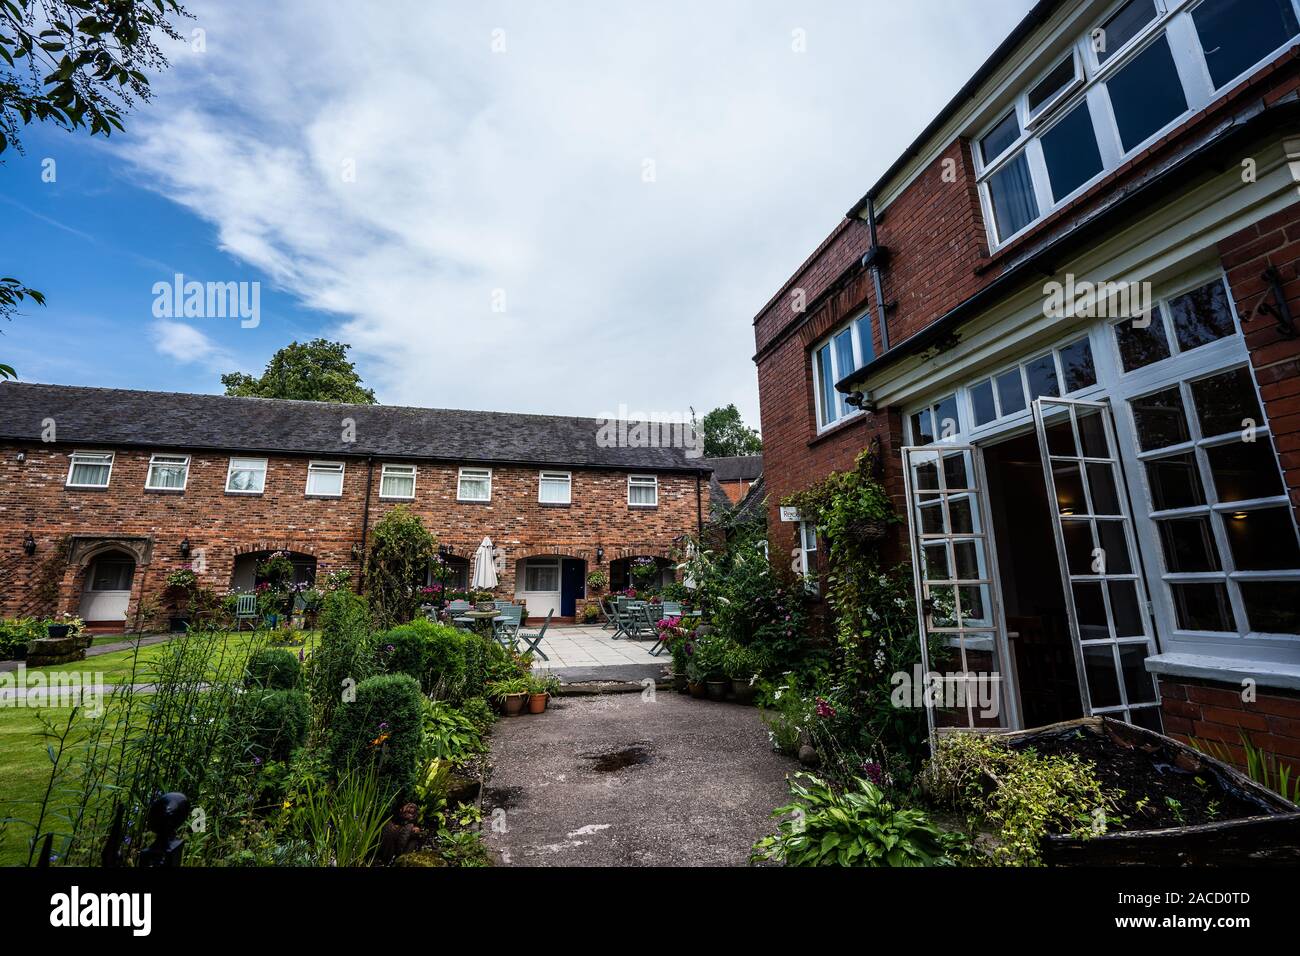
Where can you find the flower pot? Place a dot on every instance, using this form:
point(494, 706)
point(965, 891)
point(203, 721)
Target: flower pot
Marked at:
point(680, 683)
point(697, 689)
point(514, 704)
point(57, 630)
point(717, 689)
point(743, 691)
point(179, 625)
point(537, 703)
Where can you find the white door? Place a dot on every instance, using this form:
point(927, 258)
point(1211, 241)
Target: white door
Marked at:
point(540, 587)
point(108, 588)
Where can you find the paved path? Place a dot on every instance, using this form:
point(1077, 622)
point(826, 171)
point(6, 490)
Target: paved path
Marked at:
point(579, 645)
point(126, 644)
point(624, 781)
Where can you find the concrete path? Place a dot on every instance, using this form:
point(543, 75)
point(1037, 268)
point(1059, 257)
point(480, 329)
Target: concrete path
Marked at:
point(623, 780)
point(587, 645)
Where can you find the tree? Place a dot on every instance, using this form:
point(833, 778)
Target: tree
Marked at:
point(318, 371)
point(727, 436)
point(74, 63)
point(399, 559)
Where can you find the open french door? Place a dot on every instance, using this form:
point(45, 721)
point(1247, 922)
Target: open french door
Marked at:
point(1101, 572)
point(964, 651)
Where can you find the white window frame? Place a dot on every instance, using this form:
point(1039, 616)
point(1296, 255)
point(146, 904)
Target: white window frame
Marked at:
point(474, 474)
point(1118, 387)
point(555, 477)
point(1173, 20)
point(98, 457)
point(328, 468)
point(643, 481)
point(402, 471)
point(230, 472)
point(157, 458)
point(859, 359)
point(811, 583)
point(966, 401)
point(541, 564)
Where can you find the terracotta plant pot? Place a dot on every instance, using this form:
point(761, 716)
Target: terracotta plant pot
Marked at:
point(743, 691)
point(718, 689)
point(697, 691)
point(514, 704)
point(537, 703)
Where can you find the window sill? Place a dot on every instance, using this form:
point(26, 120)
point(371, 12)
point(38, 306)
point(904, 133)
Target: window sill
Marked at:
point(388, 498)
point(555, 504)
point(164, 491)
point(244, 494)
point(85, 487)
point(642, 507)
point(325, 497)
point(473, 501)
point(1226, 670)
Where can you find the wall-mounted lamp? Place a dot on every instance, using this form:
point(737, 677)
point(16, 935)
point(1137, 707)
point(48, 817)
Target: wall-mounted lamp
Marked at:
point(29, 544)
point(185, 548)
point(1279, 309)
point(600, 555)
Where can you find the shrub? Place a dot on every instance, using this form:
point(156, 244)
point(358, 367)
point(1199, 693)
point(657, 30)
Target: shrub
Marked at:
point(434, 654)
point(383, 729)
point(275, 721)
point(857, 828)
point(449, 734)
point(478, 710)
point(15, 635)
point(273, 669)
point(343, 654)
point(400, 556)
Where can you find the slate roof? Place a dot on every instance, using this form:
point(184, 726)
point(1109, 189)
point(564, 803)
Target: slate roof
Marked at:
point(121, 417)
point(745, 468)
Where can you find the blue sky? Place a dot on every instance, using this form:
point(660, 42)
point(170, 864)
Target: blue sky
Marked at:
point(632, 184)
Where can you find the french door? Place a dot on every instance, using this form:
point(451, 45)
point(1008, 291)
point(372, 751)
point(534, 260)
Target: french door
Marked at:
point(964, 650)
point(1101, 572)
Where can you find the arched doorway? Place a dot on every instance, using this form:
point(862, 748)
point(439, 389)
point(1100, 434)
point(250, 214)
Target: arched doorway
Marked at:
point(107, 589)
point(246, 575)
point(622, 577)
point(551, 583)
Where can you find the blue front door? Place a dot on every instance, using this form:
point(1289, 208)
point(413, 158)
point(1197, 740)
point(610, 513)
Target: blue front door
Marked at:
point(572, 586)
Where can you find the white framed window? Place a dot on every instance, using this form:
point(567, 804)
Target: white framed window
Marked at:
point(841, 353)
point(642, 491)
point(474, 484)
point(555, 488)
point(89, 469)
point(168, 473)
point(325, 479)
point(809, 565)
point(246, 476)
point(1138, 70)
point(542, 575)
point(397, 482)
point(1065, 370)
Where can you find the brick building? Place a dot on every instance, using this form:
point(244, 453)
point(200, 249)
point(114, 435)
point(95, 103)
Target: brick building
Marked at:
point(104, 492)
point(1065, 318)
point(736, 475)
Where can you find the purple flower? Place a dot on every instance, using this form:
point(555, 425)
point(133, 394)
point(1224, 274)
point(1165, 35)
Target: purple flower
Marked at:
point(257, 761)
point(874, 772)
point(824, 709)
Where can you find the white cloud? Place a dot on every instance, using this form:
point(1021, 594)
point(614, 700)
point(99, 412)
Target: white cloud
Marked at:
point(190, 346)
point(522, 172)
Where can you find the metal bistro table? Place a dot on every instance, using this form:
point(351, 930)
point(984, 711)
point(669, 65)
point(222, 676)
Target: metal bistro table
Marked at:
point(484, 621)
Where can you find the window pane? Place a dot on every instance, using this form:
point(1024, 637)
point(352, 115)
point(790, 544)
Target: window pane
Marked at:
point(1140, 345)
point(1011, 392)
point(1105, 494)
point(1237, 34)
point(113, 576)
point(324, 481)
point(922, 429)
point(1146, 94)
point(247, 475)
point(1114, 546)
point(1091, 611)
point(827, 376)
point(1203, 607)
point(946, 421)
point(981, 398)
point(1011, 191)
point(555, 491)
point(1042, 378)
point(1070, 150)
point(1069, 490)
point(1226, 403)
point(1077, 366)
point(866, 343)
point(642, 493)
point(1138, 683)
point(1053, 83)
point(844, 365)
point(1103, 683)
point(1125, 608)
point(1161, 420)
point(397, 486)
point(475, 487)
point(89, 473)
point(1000, 138)
point(1189, 545)
point(1263, 540)
point(1245, 470)
point(1271, 606)
point(167, 474)
point(1122, 27)
point(1175, 482)
point(1201, 316)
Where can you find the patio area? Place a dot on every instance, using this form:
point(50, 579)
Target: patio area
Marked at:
point(589, 645)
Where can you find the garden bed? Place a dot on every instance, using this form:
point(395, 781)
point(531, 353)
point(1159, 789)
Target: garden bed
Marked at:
point(1176, 806)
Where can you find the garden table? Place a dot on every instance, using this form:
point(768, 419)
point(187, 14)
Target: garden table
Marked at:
point(483, 620)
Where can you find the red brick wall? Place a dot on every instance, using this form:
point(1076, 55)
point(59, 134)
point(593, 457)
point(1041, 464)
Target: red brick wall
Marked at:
point(224, 525)
point(1273, 242)
point(1211, 711)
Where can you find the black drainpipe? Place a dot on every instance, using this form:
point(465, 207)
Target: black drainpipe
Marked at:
point(365, 519)
point(874, 256)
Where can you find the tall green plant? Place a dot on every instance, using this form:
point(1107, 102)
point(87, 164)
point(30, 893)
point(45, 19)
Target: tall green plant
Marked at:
point(399, 559)
point(344, 656)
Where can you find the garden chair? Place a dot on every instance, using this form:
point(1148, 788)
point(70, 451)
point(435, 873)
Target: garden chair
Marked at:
point(502, 605)
point(533, 638)
point(455, 609)
point(621, 613)
point(611, 616)
point(245, 610)
point(670, 609)
point(507, 627)
point(641, 623)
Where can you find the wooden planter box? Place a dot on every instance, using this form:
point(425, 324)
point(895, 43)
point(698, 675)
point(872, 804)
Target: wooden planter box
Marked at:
point(1270, 838)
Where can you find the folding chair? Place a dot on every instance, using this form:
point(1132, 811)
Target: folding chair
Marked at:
point(507, 628)
point(533, 638)
point(620, 618)
point(457, 608)
point(611, 620)
point(671, 609)
point(245, 610)
point(640, 626)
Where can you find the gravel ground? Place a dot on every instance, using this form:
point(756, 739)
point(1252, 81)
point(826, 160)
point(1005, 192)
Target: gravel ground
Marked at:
point(621, 780)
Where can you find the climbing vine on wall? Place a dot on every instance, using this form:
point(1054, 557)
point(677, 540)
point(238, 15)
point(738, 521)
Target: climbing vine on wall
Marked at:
point(49, 576)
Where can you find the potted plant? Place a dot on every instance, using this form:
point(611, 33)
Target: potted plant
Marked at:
point(739, 666)
point(540, 690)
point(510, 693)
point(695, 680)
